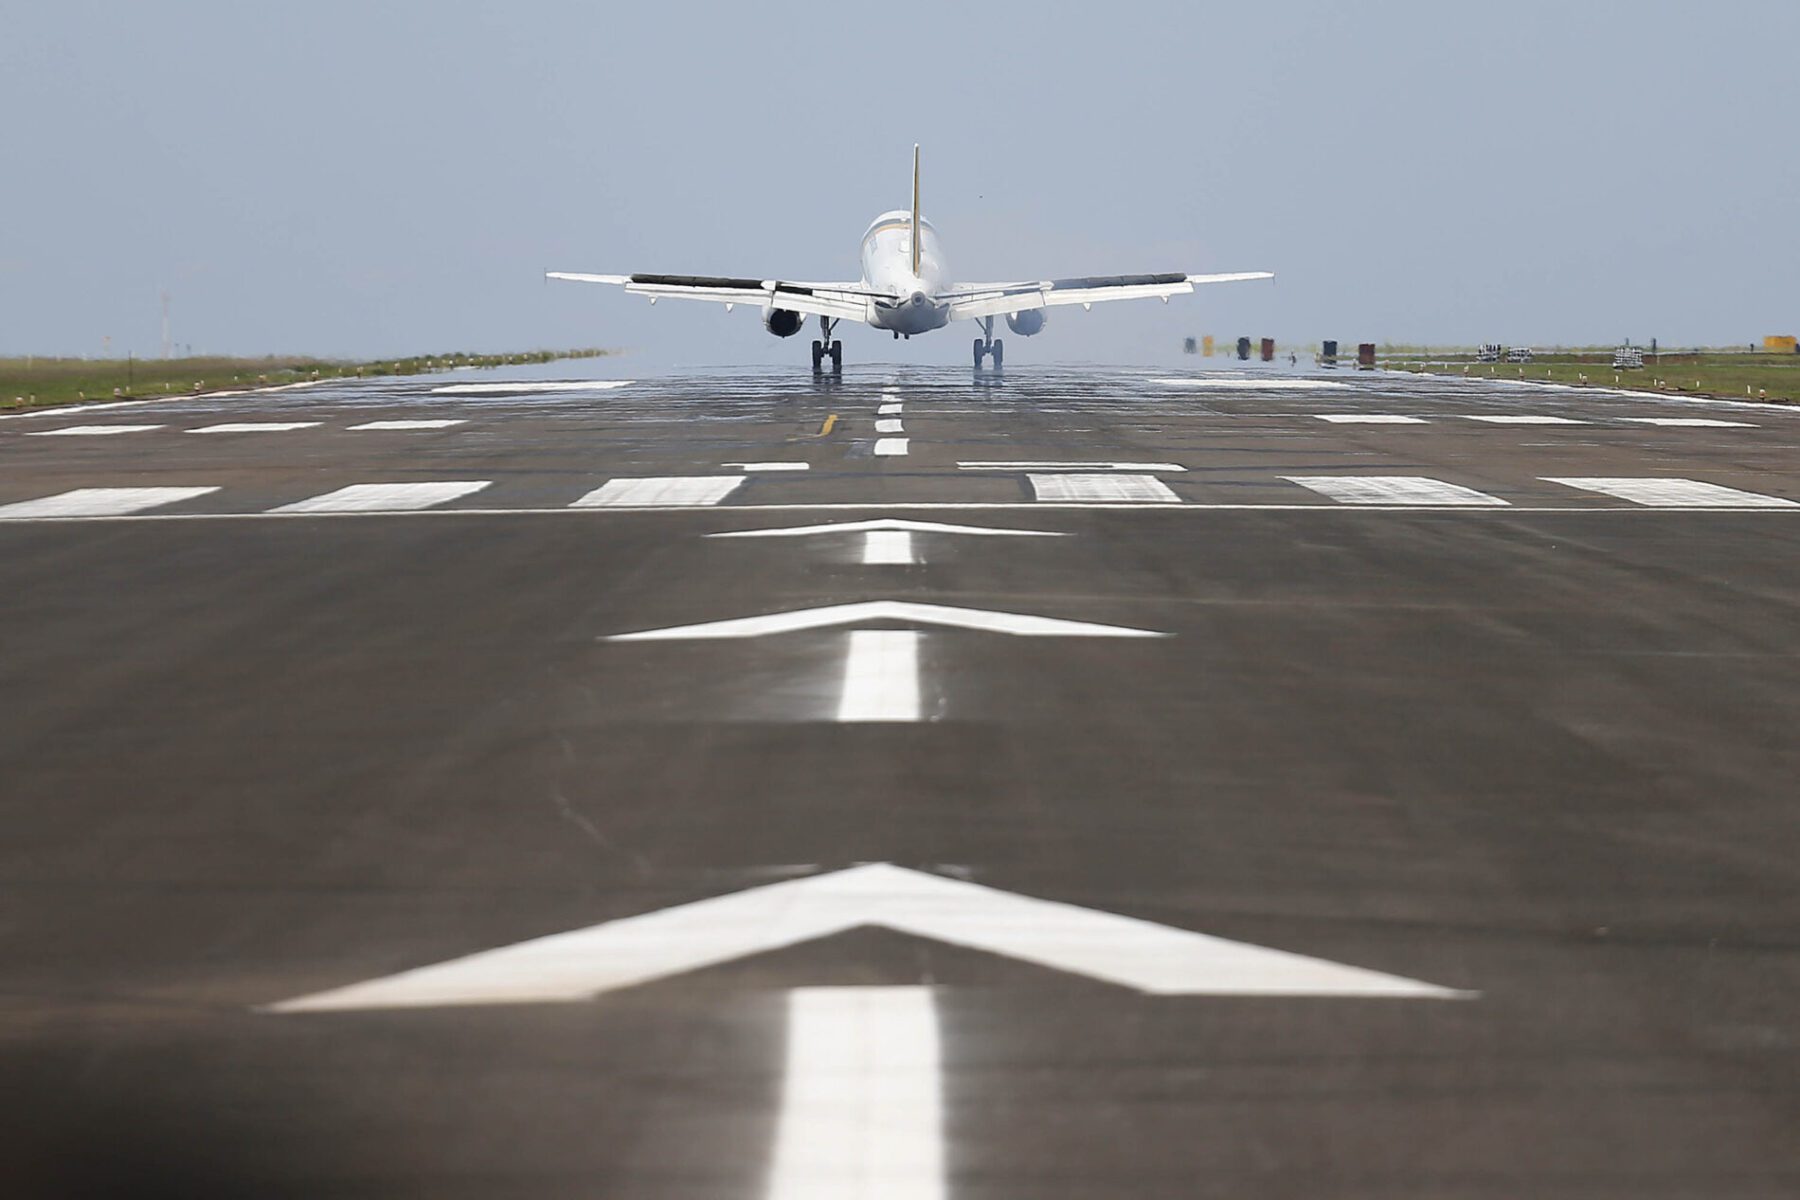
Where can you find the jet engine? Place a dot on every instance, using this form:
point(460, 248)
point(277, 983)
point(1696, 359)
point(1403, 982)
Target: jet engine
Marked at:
point(1027, 322)
point(782, 322)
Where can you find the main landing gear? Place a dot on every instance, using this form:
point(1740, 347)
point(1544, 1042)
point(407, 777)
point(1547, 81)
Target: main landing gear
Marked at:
point(988, 347)
point(827, 348)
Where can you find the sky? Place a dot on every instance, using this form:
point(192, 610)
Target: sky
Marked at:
point(373, 179)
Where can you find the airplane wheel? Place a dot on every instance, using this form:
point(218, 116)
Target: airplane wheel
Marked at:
point(979, 351)
point(999, 353)
point(837, 356)
point(818, 355)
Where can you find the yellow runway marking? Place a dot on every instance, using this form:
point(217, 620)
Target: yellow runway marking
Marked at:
point(825, 429)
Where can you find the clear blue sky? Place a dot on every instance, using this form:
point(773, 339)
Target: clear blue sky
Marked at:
point(371, 179)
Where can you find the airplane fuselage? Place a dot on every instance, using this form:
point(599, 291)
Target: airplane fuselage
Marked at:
point(887, 267)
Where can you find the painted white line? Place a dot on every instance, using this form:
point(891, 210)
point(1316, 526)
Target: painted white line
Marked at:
point(1674, 493)
point(885, 523)
point(677, 491)
point(888, 547)
point(881, 676)
point(505, 389)
point(861, 1113)
point(1394, 490)
point(890, 425)
point(1520, 419)
point(1166, 468)
point(1692, 422)
point(1256, 385)
point(583, 963)
point(408, 424)
point(1368, 419)
point(834, 615)
point(257, 427)
point(99, 502)
point(891, 447)
point(1109, 489)
point(771, 466)
point(91, 430)
point(384, 497)
point(889, 410)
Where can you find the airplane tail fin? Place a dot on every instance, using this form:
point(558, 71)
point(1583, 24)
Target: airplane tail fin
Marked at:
point(915, 210)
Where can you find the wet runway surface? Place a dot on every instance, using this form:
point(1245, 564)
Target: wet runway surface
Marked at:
point(1353, 785)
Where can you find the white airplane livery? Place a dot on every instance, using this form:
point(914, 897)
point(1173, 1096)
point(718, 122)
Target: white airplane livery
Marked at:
point(906, 289)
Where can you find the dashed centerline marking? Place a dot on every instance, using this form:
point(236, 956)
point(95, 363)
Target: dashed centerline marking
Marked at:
point(888, 547)
point(1673, 493)
point(771, 466)
point(1369, 419)
point(91, 430)
point(678, 491)
point(881, 676)
point(385, 497)
point(100, 502)
point(890, 425)
point(1394, 490)
point(889, 410)
point(891, 447)
point(1102, 488)
point(503, 389)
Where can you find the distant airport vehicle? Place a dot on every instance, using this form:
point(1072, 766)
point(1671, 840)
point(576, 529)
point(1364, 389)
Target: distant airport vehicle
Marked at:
point(1628, 358)
point(1519, 354)
point(905, 289)
point(1488, 352)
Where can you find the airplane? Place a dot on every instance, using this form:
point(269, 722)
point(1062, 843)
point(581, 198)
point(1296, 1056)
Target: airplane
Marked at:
point(905, 289)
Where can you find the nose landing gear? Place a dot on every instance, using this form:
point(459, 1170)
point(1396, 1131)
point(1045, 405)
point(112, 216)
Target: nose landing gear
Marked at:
point(827, 348)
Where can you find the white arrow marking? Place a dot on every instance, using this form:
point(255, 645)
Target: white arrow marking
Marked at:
point(881, 676)
point(1019, 624)
point(1145, 956)
point(885, 523)
point(861, 1113)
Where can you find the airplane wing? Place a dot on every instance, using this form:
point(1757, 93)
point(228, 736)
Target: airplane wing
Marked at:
point(846, 301)
point(975, 300)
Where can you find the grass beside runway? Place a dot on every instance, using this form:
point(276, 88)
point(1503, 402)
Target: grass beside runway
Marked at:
point(1722, 375)
point(34, 382)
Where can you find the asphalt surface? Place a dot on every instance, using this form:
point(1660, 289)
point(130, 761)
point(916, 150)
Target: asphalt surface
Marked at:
point(1531, 742)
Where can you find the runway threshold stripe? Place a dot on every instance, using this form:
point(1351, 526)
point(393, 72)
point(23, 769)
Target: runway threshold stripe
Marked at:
point(91, 430)
point(889, 410)
point(1691, 422)
point(1522, 419)
point(1673, 493)
point(439, 424)
point(890, 425)
point(100, 502)
point(384, 497)
point(1394, 490)
point(1113, 489)
point(881, 676)
point(257, 427)
point(1030, 465)
point(861, 1106)
point(662, 492)
point(892, 447)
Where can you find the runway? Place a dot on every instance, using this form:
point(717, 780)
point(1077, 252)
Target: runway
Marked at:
point(1071, 783)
